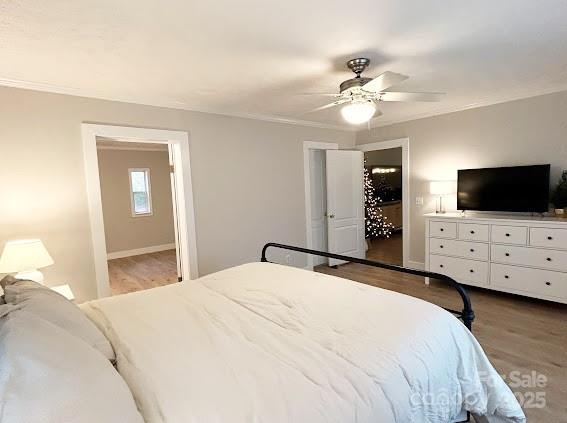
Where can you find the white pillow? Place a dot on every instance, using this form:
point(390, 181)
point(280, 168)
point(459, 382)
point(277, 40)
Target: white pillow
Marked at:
point(49, 376)
point(55, 308)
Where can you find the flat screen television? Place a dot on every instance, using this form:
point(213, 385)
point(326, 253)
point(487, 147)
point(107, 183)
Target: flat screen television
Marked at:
point(509, 189)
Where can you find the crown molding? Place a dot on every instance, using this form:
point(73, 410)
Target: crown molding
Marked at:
point(77, 92)
point(483, 103)
point(377, 123)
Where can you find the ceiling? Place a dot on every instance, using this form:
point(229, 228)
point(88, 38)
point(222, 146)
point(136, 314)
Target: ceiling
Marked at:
point(256, 58)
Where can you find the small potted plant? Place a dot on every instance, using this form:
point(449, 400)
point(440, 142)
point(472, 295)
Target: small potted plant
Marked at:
point(559, 196)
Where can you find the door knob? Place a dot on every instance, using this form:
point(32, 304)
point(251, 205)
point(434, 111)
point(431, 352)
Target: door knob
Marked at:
point(331, 216)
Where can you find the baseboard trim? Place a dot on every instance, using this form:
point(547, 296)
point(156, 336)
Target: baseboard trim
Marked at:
point(138, 251)
point(416, 265)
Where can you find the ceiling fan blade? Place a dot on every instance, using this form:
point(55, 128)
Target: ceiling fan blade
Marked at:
point(395, 96)
point(327, 106)
point(384, 81)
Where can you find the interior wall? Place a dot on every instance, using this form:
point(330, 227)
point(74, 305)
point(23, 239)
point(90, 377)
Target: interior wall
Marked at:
point(522, 132)
point(247, 179)
point(122, 230)
point(387, 157)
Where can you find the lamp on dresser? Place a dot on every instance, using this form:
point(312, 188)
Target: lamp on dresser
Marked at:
point(441, 189)
point(24, 257)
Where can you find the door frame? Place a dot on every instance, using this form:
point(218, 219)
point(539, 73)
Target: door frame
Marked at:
point(178, 141)
point(311, 145)
point(404, 144)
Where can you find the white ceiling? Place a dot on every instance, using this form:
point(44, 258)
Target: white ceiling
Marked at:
point(256, 57)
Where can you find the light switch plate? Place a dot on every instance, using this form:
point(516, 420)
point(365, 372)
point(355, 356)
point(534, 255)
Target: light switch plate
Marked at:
point(419, 201)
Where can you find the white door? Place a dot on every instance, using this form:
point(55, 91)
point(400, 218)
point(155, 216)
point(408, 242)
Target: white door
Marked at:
point(345, 203)
point(175, 214)
point(318, 204)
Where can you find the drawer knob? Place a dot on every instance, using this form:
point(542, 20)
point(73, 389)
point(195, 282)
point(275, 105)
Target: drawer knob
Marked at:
point(548, 283)
point(441, 229)
point(507, 254)
point(441, 246)
point(472, 271)
point(472, 250)
point(472, 232)
point(550, 238)
point(548, 259)
point(440, 265)
point(506, 277)
point(507, 234)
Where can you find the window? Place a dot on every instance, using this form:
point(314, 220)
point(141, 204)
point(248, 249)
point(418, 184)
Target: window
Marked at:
point(140, 193)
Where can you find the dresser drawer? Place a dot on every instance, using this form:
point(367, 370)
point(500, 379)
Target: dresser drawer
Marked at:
point(473, 232)
point(551, 238)
point(517, 235)
point(531, 281)
point(441, 229)
point(470, 272)
point(545, 259)
point(466, 249)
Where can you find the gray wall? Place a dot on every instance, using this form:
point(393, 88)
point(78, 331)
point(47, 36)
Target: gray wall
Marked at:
point(247, 176)
point(528, 131)
point(122, 230)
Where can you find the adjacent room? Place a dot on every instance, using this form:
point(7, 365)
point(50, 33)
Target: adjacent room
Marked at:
point(383, 205)
point(293, 212)
point(137, 205)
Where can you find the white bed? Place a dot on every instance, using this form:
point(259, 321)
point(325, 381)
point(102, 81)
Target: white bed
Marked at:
point(268, 343)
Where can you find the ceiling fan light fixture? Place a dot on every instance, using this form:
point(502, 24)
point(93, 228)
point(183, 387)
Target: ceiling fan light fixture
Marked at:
point(358, 112)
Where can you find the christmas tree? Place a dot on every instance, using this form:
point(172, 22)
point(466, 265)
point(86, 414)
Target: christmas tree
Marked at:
point(377, 225)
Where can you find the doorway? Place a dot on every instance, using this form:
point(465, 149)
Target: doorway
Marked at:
point(314, 170)
point(345, 183)
point(333, 202)
point(379, 155)
point(138, 206)
point(384, 205)
point(177, 145)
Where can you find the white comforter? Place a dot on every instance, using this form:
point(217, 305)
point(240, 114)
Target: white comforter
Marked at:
point(269, 343)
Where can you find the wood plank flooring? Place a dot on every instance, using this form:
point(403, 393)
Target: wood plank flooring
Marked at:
point(517, 333)
point(145, 271)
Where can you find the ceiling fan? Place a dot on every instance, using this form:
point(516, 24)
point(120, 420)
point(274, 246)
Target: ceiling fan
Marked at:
point(359, 95)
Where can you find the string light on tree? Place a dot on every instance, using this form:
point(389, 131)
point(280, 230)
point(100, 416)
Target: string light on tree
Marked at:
point(376, 224)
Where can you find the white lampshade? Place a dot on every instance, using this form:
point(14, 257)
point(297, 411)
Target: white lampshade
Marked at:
point(358, 112)
point(442, 187)
point(24, 255)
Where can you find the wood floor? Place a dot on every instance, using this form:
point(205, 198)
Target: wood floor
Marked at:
point(389, 250)
point(517, 333)
point(145, 271)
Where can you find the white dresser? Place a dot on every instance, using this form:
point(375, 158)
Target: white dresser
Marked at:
point(518, 254)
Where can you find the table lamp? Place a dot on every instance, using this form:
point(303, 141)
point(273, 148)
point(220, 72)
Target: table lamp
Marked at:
point(24, 257)
point(441, 188)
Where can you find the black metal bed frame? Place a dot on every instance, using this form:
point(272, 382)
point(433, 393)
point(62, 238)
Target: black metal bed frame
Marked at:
point(466, 315)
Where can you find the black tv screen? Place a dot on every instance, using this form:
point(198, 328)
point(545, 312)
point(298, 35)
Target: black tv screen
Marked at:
point(511, 189)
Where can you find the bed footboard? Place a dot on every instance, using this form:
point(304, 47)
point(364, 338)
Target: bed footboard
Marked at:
point(467, 313)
